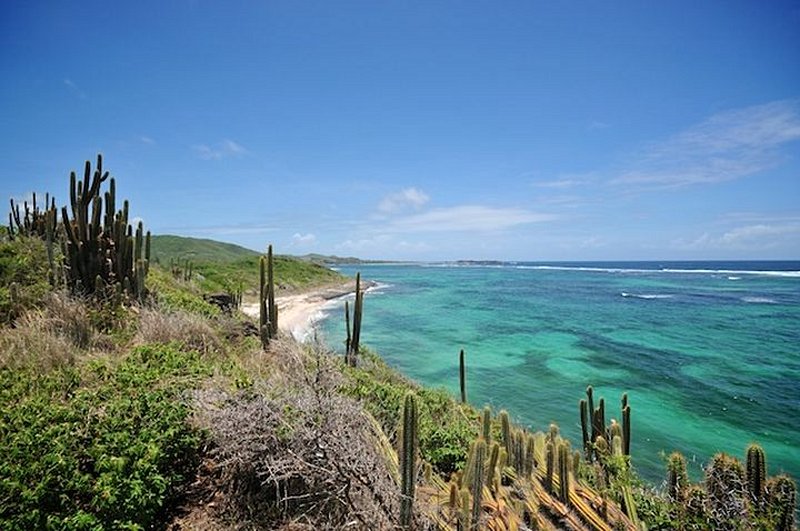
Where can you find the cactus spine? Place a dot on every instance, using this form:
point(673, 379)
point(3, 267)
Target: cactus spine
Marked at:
point(408, 459)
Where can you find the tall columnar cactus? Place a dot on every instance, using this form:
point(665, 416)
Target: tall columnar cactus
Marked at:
point(408, 459)
point(486, 424)
point(462, 376)
point(756, 473)
point(351, 355)
point(268, 311)
point(272, 307)
point(349, 338)
point(491, 469)
point(584, 410)
point(477, 479)
point(550, 464)
point(563, 471)
point(677, 478)
point(626, 428)
point(505, 431)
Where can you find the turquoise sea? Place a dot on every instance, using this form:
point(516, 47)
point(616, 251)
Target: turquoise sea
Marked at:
point(708, 352)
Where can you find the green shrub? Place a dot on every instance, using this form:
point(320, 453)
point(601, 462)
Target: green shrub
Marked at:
point(23, 262)
point(446, 427)
point(99, 446)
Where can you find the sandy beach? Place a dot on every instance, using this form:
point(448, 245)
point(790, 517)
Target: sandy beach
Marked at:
point(298, 312)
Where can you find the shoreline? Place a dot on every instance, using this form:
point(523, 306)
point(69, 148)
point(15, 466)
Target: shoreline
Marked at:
point(299, 312)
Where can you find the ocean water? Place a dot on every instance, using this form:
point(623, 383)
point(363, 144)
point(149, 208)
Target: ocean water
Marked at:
point(709, 353)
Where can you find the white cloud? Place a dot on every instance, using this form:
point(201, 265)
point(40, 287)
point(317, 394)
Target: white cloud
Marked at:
point(728, 145)
point(756, 237)
point(467, 218)
point(226, 148)
point(147, 140)
point(406, 198)
point(303, 239)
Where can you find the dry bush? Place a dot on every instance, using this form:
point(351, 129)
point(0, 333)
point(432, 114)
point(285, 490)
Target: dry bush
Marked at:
point(192, 331)
point(33, 344)
point(295, 454)
point(68, 318)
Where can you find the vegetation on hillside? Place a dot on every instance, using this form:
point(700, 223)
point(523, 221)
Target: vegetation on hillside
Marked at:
point(223, 267)
point(146, 407)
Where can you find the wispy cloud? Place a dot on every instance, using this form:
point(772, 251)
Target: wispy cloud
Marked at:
point(404, 199)
point(728, 145)
point(475, 218)
point(758, 237)
point(225, 149)
point(147, 140)
point(74, 88)
point(303, 239)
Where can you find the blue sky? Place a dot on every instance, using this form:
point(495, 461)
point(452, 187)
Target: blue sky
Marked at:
point(420, 130)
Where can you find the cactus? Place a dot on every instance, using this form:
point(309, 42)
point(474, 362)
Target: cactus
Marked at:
point(476, 483)
point(486, 424)
point(462, 376)
point(491, 469)
point(408, 459)
point(590, 404)
point(351, 355)
point(104, 247)
point(726, 489)
point(349, 338)
point(550, 461)
point(268, 311)
point(505, 429)
point(756, 473)
point(626, 427)
point(677, 478)
point(630, 505)
point(563, 472)
point(781, 501)
point(583, 408)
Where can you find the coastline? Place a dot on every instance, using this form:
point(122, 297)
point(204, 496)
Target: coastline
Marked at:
point(299, 312)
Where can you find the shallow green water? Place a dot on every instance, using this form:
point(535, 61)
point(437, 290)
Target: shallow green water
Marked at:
point(710, 357)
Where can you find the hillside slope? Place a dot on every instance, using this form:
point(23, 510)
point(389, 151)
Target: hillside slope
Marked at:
point(219, 266)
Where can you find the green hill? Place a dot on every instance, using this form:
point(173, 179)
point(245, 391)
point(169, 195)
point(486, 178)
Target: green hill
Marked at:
point(219, 266)
point(167, 247)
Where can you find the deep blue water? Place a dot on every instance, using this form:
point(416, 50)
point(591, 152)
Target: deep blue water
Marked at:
point(708, 352)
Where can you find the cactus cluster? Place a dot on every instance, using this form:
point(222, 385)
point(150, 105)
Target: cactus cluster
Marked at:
point(733, 495)
point(523, 480)
point(181, 269)
point(353, 340)
point(599, 439)
point(100, 249)
point(101, 255)
point(268, 311)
